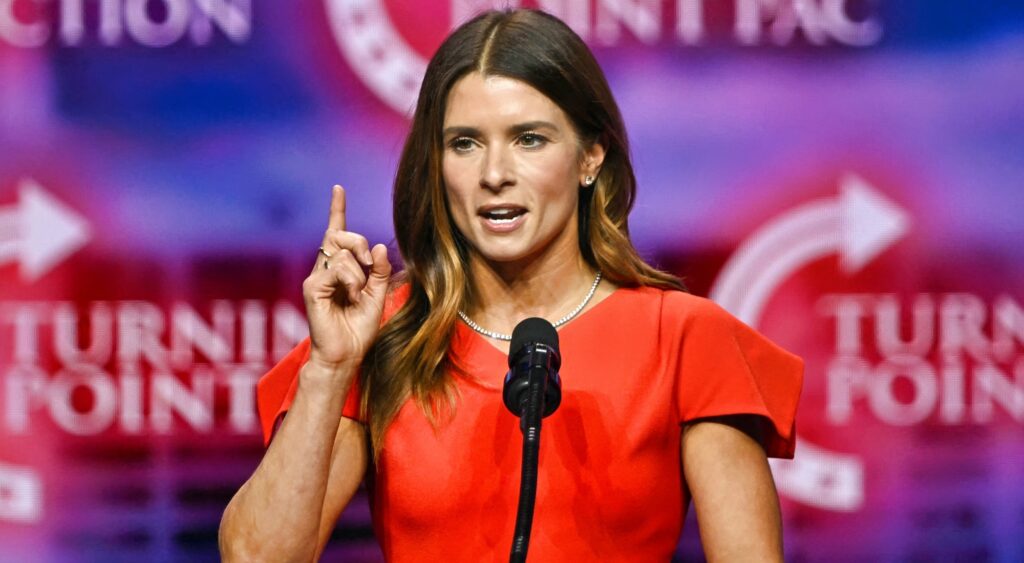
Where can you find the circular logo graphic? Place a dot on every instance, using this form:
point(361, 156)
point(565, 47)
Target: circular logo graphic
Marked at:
point(379, 52)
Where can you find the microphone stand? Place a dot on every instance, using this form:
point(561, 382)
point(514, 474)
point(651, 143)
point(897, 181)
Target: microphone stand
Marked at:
point(532, 391)
point(532, 409)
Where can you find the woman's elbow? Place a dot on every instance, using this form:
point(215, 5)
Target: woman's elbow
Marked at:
point(240, 541)
point(232, 541)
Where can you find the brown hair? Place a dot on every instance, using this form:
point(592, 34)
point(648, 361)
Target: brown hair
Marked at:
point(410, 355)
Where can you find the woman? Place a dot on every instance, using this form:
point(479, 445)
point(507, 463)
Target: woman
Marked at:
point(511, 201)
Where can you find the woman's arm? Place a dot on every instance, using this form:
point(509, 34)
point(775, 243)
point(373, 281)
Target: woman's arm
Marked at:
point(733, 491)
point(288, 507)
point(286, 510)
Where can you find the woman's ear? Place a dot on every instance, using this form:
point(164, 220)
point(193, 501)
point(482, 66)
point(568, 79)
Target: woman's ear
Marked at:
point(590, 167)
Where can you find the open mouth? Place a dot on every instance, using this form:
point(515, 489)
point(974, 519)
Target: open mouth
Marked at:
point(503, 215)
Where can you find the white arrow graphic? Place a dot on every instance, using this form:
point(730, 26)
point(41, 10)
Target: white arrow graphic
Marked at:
point(39, 231)
point(859, 224)
point(21, 494)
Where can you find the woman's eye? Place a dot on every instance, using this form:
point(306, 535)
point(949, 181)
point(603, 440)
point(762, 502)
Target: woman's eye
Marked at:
point(461, 144)
point(531, 140)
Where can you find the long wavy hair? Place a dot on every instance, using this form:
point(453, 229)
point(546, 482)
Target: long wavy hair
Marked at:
point(410, 354)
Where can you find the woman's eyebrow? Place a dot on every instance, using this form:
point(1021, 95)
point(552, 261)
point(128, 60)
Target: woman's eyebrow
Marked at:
point(466, 131)
point(530, 125)
point(460, 131)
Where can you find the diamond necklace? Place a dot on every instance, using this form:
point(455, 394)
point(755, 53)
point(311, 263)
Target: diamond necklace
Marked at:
point(558, 323)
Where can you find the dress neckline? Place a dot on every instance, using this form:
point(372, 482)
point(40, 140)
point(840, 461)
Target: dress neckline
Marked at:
point(564, 330)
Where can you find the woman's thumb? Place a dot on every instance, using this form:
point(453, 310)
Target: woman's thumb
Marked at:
point(380, 272)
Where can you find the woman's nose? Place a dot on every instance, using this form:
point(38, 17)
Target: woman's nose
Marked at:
point(498, 169)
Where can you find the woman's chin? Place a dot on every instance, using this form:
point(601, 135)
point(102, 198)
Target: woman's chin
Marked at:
point(503, 256)
point(523, 251)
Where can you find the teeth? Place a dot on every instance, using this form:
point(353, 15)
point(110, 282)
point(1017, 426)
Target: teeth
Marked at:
point(503, 215)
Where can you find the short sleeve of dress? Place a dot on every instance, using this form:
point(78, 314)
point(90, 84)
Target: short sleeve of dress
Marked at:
point(276, 390)
point(727, 367)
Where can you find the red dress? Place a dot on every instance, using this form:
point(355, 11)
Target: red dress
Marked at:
point(635, 367)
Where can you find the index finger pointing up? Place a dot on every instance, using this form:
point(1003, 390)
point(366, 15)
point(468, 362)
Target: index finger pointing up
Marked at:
point(337, 217)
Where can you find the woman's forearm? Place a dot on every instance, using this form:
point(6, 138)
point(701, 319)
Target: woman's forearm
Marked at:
point(276, 513)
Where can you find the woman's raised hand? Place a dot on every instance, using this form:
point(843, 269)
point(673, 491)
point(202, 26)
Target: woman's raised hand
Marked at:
point(344, 294)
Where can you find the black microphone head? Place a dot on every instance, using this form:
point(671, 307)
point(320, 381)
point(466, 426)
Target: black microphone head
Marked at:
point(534, 346)
point(533, 329)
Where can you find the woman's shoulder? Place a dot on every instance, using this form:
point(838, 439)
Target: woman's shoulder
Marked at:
point(672, 314)
point(673, 304)
point(398, 294)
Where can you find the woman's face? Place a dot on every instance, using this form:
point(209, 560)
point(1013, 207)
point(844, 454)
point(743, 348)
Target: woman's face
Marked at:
point(513, 169)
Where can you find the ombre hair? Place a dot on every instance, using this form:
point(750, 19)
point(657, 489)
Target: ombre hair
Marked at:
point(410, 355)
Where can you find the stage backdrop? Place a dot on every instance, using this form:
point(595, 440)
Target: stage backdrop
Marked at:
point(846, 176)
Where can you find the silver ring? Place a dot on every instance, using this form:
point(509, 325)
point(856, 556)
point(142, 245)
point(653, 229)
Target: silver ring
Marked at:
point(325, 252)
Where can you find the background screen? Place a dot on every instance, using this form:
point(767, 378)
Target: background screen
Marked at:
point(847, 176)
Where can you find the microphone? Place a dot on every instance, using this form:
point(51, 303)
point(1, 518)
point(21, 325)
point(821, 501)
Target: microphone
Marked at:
point(534, 347)
point(532, 391)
